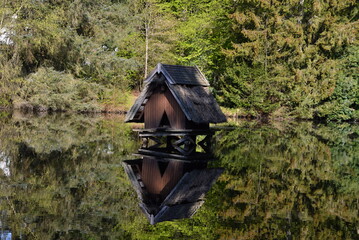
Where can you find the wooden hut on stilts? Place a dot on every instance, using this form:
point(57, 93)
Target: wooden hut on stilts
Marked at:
point(176, 101)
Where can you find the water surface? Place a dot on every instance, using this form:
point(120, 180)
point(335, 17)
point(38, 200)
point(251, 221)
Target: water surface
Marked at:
point(61, 178)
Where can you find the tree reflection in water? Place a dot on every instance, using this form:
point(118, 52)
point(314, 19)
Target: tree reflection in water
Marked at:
point(282, 181)
point(66, 179)
point(290, 181)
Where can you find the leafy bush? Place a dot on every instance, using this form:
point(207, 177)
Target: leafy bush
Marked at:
point(343, 104)
point(48, 89)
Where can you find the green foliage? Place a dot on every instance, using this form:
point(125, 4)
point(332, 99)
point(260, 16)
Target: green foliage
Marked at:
point(291, 59)
point(48, 89)
point(244, 87)
point(9, 75)
point(111, 57)
point(82, 38)
point(343, 104)
point(297, 44)
point(279, 59)
point(202, 28)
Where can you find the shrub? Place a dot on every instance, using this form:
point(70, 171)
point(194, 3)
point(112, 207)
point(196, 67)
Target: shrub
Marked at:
point(51, 90)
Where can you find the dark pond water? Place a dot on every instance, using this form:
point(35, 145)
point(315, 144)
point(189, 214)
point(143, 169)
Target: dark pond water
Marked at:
point(62, 178)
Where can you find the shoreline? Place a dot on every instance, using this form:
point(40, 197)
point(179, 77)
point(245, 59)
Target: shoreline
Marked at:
point(124, 112)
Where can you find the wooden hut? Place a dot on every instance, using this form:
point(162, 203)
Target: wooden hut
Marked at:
point(176, 97)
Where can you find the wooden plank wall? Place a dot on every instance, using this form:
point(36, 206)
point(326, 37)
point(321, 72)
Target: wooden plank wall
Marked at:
point(160, 102)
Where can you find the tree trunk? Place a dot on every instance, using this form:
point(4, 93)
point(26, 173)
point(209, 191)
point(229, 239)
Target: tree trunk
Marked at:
point(146, 54)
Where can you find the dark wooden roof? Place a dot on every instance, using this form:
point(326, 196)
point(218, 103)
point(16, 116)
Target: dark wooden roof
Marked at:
point(188, 195)
point(185, 75)
point(198, 103)
point(190, 89)
point(169, 213)
point(193, 186)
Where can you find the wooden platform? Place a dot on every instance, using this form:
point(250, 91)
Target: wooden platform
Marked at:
point(172, 132)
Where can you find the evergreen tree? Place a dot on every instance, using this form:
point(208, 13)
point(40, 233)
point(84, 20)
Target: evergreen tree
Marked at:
point(285, 56)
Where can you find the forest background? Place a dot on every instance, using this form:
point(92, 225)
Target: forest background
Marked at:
point(264, 58)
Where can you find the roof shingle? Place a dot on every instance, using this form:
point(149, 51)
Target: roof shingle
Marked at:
point(185, 75)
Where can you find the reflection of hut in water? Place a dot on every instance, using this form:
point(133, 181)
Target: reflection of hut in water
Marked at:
point(170, 189)
point(176, 97)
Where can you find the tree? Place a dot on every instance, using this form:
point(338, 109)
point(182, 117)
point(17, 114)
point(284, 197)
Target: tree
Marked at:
point(159, 34)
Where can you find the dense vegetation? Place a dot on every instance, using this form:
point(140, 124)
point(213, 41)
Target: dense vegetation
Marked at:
point(264, 58)
point(68, 181)
point(283, 181)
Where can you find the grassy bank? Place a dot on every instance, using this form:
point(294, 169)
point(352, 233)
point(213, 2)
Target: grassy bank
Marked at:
point(49, 90)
